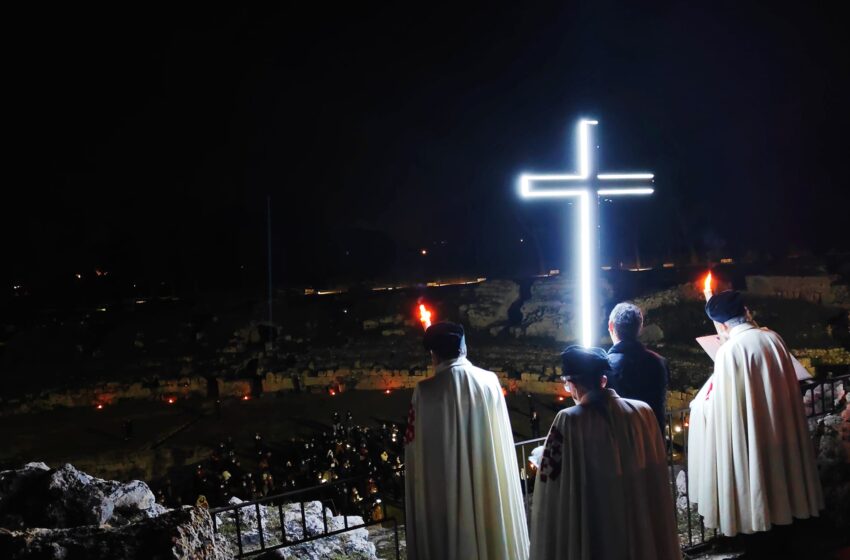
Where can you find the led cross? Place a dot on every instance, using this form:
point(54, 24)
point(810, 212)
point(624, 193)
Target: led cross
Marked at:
point(580, 185)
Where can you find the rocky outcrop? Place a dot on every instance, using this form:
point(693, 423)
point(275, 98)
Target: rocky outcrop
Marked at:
point(489, 303)
point(37, 496)
point(670, 296)
point(832, 441)
point(352, 544)
point(817, 289)
point(548, 313)
point(66, 514)
point(177, 534)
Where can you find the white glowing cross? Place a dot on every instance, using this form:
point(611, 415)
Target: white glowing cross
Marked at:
point(579, 185)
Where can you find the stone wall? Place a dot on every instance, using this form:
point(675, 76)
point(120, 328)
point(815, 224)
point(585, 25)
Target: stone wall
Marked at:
point(816, 289)
point(490, 302)
point(548, 313)
point(386, 351)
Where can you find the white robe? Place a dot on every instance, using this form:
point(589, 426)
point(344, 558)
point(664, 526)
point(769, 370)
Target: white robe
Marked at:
point(463, 496)
point(602, 491)
point(751, 460)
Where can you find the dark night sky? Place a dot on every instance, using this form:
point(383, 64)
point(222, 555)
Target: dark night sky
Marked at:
point(145, 142)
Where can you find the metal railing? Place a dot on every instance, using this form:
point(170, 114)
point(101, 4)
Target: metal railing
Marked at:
point(248, 518)
point(820, 397)
point(823, 396)
point(692, 531)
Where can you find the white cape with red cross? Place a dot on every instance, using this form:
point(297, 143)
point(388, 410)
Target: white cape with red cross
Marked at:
point(463, 495)
point(602, 491)
point(751, 461)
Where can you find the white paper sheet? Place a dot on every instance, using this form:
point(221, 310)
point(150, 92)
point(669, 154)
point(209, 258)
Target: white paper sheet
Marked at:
point(712, 342)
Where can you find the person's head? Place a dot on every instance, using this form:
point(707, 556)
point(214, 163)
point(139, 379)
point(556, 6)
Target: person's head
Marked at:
point(445, 341)
point(625, 322)
point(584, 369)
point(727, 310)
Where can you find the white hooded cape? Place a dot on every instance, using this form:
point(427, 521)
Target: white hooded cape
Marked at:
point(602, 491)
point(463, 496)
point(751, 460)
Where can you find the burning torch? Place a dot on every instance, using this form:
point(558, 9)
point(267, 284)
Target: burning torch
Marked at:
point(424, 316)
point(706, 289)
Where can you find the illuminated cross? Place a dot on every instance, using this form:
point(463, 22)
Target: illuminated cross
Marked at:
point(580, 185)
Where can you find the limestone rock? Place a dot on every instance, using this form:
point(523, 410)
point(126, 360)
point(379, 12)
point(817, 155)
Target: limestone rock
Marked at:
point(817, 289)
point(490, 303)
point(15, 487)
point(178, 534)
point(37, 496)
point(670, 296)
point(548, 313)
point(353, 544)
point(832, 441)
point(682, 490)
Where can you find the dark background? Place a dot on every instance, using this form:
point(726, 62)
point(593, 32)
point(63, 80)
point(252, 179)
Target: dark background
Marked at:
point(144, 141)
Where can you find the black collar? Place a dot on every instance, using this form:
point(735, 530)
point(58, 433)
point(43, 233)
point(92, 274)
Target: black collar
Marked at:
point(625, 346)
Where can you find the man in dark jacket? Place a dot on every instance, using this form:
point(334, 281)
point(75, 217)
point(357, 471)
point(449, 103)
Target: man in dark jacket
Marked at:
point(636, 373)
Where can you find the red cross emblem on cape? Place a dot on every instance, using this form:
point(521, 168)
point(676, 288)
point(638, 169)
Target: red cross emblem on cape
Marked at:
point(550, 464)
point(410, 432)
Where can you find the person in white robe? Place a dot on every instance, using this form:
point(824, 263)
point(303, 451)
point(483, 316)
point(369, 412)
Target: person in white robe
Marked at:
point(751, 462)
point(463, 495)
point(602, 490)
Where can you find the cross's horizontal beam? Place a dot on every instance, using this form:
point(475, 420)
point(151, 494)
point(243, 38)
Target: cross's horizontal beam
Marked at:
point(583, 185)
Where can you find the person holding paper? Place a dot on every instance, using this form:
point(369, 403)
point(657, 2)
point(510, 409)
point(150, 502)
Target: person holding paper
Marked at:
point(751, 462)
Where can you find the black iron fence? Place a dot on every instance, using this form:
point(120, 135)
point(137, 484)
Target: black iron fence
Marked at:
point(824, 396)
point(692, 532)
point(252, 530)
point(286, 520)
point(820, 397)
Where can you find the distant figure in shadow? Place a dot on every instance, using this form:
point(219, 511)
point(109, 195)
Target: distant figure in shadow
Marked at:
point(636, 373)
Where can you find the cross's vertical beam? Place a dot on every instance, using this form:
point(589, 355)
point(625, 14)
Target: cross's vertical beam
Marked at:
point(586, 268)
point(583, 185)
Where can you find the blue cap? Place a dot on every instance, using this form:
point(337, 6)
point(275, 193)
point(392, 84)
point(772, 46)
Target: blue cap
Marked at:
point(445, 339)
point(725, 305)
point(582, 363)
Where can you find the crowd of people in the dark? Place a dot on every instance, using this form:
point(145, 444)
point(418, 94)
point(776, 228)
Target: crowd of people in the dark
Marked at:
point(373, 457)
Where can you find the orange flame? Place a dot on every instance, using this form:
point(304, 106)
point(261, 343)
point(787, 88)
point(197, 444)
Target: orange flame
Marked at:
point(707, 286)
point(424, 316)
